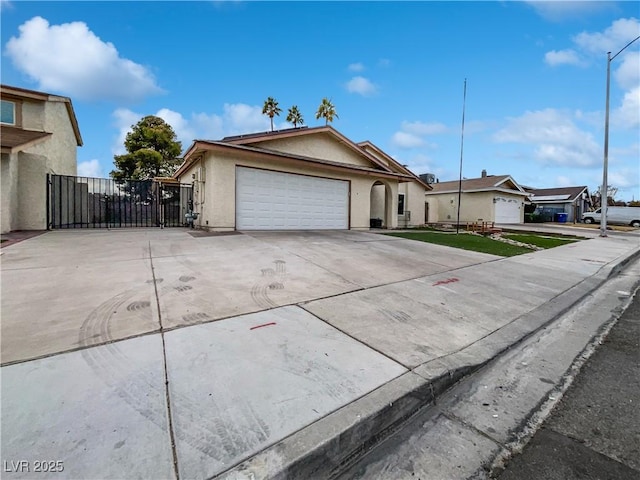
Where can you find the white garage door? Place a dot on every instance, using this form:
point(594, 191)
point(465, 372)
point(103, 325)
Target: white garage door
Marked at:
point(267, 200)
point(507, 210)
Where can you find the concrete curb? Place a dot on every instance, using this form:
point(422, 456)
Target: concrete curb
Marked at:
point(330, 444)
point(619, 265)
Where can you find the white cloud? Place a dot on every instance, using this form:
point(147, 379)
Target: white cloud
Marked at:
point(560, 10)
point(476, 126)
point(593, 46)
point(356, 67)
point(631, 150)
point(553, 137)
point(179, 124)
point(206, 126)
point(124, 120)
point(384, 63)
point(236, 119)
point(362, 86)
point(69, 58)
point(627, 75)
point(411, 134)
point(562, 57)
point(242, 118)
point(420, 164)
point(614, 38)
point(563, 181)
point(627, 116)
point(420, 128)
point(4, 4)
point(90, 168)
point(624, 178)
point(407, 140)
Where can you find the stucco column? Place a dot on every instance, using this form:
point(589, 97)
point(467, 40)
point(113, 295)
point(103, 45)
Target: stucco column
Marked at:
point(392, 206)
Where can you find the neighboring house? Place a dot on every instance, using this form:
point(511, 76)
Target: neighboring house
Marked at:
point(490, 198)
point(298, 179)
point(574, 201)
point(39, 135)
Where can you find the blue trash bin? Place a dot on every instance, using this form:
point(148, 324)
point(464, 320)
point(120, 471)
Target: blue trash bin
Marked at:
point(561, 217)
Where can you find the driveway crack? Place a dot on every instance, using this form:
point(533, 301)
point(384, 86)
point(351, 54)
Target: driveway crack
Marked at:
point(166, 373)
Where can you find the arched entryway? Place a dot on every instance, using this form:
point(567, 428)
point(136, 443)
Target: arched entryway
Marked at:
point(380, 201)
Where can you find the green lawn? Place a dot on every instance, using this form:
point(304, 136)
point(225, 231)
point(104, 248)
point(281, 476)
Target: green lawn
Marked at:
point(540, 241)
point(465, 241)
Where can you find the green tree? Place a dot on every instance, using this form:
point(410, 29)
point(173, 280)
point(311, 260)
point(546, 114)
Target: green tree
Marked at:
point(327, 111)
point(152, 151)
point(271, 109)
point(295, 116)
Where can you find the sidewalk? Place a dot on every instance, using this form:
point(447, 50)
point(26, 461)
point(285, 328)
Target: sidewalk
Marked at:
point(594, 433)
point(487, 418)
point(577, 229)
point(289, 391)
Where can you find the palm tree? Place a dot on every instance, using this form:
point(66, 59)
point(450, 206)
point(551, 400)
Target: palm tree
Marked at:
point(295, 116)
point(271, 109)
point(327, 111)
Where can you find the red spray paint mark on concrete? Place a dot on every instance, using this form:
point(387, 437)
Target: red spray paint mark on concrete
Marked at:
point(263, 325)
point(444, 282)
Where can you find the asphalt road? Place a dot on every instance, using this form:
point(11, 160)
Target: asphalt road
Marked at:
point(594, 432)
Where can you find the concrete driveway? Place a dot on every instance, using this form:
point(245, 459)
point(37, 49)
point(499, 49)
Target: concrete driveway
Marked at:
point(71, 289)
point(174, 353)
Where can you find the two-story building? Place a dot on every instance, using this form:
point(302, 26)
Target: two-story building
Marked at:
point(39, 135)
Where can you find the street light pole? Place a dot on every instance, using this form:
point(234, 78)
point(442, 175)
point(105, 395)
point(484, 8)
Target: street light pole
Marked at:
point(605, 186)
point(605, 181)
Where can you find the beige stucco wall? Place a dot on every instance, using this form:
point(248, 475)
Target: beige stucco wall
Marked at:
point(33, 116)
point(9, 208)
point(377, 198)
point(24, 174)
point(217, 212)
point(414, 203)
point(320, 145)
point(433, 209)
point(61, 147)
point(475, 206)
point(414, 197)
point(378, 157)
point(32, 192)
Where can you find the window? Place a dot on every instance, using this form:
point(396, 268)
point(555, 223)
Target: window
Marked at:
point(401, 204)
point(8, 112)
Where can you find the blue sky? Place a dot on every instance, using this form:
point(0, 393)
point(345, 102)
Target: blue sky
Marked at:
point(536, 75)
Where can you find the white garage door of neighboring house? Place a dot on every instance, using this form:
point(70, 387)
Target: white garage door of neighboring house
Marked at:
point(507, 210)
point(267, 200)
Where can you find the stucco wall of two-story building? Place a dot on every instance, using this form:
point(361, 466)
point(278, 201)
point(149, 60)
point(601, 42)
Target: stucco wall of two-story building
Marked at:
point(24, 173)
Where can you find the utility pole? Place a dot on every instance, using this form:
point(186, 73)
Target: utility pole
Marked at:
point(464, 101)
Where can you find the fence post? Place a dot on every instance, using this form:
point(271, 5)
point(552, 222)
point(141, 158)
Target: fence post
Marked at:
point(48, 201)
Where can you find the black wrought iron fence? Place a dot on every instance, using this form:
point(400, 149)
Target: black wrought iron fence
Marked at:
point(85, 202)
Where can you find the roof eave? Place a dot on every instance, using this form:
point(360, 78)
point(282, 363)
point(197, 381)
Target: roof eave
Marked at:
point(200, 146)
point(480, 190)
point(368, 143)
point(309, 131)
point(27, 144)
point(18, 92)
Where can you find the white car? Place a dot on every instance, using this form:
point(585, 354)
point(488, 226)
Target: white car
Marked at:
point(615, 215)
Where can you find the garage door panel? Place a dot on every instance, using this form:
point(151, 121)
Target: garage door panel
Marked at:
point(268, 200)
point(507, 210)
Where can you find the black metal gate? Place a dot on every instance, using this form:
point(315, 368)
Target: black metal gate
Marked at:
point(85, 202)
